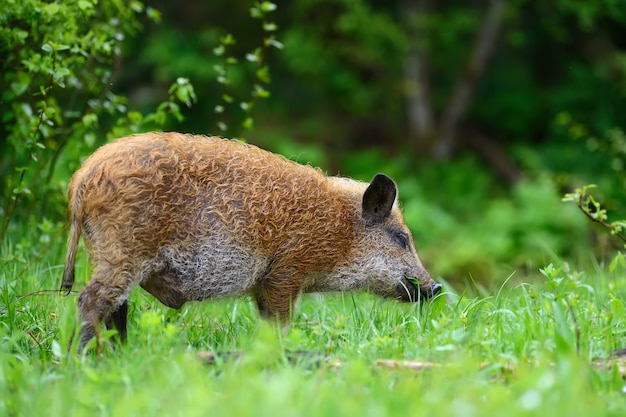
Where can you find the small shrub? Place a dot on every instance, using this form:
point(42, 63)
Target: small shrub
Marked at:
point(59, 67)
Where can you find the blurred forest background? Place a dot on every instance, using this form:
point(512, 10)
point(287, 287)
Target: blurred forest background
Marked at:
point(485, 112)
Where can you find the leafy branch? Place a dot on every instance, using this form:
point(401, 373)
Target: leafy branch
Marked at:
point(134, 121)
point(58, 73)
point(260, 11)
point(17, 188)
point(594, 211)
point(222, 78)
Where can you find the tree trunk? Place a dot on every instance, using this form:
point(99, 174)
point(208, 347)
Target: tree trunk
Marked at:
point(457, 106)
point(419, 112)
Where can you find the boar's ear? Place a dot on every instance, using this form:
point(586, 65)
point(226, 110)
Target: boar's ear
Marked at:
point(378, 198)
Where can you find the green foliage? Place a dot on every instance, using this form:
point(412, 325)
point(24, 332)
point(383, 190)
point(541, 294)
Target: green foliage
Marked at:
point(605, 164)
point(560, 61)
point(58, 65)
point(515, 350)
point(338, 48)
point(261, 70)
point(521, 232)
point(347, 59)
point(227, 61)
point(523, 349)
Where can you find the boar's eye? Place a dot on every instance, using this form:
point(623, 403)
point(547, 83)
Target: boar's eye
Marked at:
point(401, 239)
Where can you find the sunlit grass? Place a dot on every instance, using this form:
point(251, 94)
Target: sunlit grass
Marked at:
point(518, 349)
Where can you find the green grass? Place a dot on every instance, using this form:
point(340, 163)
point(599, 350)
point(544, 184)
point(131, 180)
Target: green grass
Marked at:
point(524, 349)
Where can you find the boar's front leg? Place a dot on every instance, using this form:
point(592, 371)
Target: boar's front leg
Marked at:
point(277, 293)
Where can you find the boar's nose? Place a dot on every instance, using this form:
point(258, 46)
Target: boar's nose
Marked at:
point(431, 291)
point(411, 291)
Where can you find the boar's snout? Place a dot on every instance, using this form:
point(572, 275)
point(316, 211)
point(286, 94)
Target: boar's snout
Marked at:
point(431, 291)
point(407, 291)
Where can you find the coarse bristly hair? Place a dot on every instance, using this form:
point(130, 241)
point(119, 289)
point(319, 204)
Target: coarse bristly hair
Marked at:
point(194, 217)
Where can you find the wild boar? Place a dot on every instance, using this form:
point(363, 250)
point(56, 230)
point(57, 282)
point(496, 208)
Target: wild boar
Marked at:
point(193, 217)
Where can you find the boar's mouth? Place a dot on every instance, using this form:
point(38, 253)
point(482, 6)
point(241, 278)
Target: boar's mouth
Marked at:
point(410, 290)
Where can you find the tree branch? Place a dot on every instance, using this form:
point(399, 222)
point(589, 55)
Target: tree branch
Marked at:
point(459, 101)
point(582, 206)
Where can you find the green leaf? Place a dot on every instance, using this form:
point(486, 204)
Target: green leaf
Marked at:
point(20, 85)
point(56, 349)
point(175, 110)
point(90, 139)
point(268, 6)
point(256, 13)
point(228, 40)
point(19, 34)
point(136, 6)
point(85, 5)
point(563, 335)
point(153, 14)
point(618, 260)
point(21, 190)
point(51, 9)
point(90, 119)
point(413, 281)
point(618, 225)
point(618, 312)
point(248, 124)
point(273, 42)
point(263, 74)
point(135, 117)
point(261, 92)
point(270, 26)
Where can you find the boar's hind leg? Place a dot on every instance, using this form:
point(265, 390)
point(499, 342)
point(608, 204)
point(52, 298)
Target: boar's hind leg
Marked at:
point(118, 319)
point(102, 300)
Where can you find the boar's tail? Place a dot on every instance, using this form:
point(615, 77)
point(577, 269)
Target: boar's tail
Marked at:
point(70, 259)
